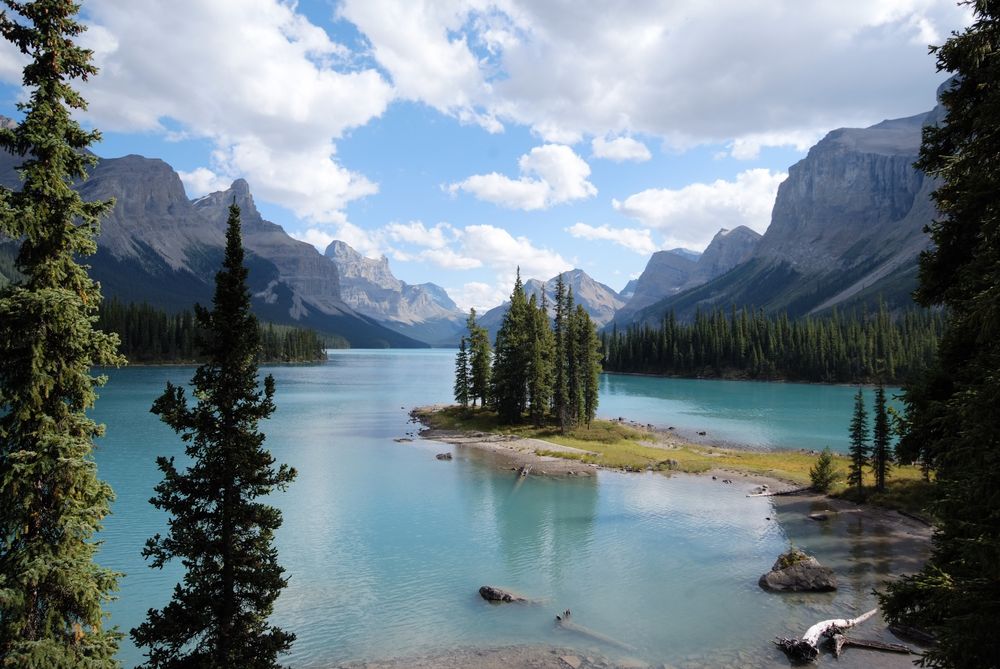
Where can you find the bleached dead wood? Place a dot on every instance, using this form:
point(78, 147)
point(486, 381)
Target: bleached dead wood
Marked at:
point(840, 641)
point(564, 622)
point(806, 649)
point(779, 493)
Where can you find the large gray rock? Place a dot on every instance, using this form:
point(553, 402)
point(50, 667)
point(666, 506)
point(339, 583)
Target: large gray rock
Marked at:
point(797, 572)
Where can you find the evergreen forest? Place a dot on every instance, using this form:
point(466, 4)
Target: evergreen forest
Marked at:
point(840, 348)
point(152, 335)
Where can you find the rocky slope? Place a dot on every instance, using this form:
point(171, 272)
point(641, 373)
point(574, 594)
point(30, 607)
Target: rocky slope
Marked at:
point(670, 272)
point(159, 247)
point(600, 301)
point(423, 311)
point(846, 230)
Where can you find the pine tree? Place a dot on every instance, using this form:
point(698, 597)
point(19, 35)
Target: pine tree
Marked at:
point(51, 501)
point(560, 387)
point(859, 450)
point(824, 474)
point(881, 457)
point(589, 364)
point(511, 358)
point(540, 373)
point(219, 529)
point(955, 419)
point(462, 375)
point(479, 360)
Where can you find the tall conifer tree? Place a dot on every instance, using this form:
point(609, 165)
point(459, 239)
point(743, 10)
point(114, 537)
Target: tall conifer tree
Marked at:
point(51, 501)
point(589, 353)
point(954, 418)
point(540, 379)
point(859, 450)
point(462, 375)
point(512, 357)
point(479, 360)
point(219, 528)
point(881, 458)
point(560, 386)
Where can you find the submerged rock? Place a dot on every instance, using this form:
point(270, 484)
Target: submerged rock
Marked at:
point(492, 594)
point(795, 571)
point(444, 456)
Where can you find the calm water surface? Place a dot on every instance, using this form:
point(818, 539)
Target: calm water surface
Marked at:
point(386, 546)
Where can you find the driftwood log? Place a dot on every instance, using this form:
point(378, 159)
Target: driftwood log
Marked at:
point(840, 641)
point(779, 493)
point(563, 621)
point(806, 649)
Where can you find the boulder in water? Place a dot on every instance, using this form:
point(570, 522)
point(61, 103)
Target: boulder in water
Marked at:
point(492, 594)
point(795, 571)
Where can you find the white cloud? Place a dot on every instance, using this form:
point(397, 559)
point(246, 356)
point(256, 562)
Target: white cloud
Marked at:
point(480, 296)
point(749, 146)
point(691, 215)
point(620, 149)
point(634, 239)
point(415, 232)
point(449, 259)
point(498, 249)
point(201, 181)
point(369, 243)
point(664, 68)
point(269, 89)
point(550, 174)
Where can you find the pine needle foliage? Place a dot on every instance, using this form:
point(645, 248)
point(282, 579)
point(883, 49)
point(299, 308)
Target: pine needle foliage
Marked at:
point(219, 528)
point(52, 503)
point(952, 414)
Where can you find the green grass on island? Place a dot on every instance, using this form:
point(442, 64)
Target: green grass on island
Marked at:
point(620, 446)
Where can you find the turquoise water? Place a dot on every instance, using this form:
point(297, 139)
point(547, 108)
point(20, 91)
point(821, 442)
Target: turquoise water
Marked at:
point(754, 413)
point(386, 546)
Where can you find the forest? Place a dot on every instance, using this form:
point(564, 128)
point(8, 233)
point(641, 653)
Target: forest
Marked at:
point(841, 348)
point(151, 335)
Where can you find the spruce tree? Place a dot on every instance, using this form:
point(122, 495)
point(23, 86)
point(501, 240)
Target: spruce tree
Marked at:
point(881, 457)
point(462, 375)
point(479, 360)
point(540, 372)
point(560, 384)
point(589, 352)
point(51, 502)
point(511, 358)
point(220, 529)
point(859, 450)
point(824, 473)
point(955, 418)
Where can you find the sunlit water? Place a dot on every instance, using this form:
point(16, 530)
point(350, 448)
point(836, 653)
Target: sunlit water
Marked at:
point(750, 413)
point(385, 546)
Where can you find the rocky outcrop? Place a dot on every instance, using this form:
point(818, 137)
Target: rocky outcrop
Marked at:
point(727, 249)
point(424, 311)
point(499, 595)
point(795, 571)
point(846, 230)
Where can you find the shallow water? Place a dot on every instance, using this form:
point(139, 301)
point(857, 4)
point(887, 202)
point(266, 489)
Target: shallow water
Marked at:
point(751, 413)
point(386, 546)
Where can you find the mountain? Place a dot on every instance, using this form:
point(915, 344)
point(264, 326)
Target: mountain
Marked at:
point(846, 229)
point(422, 311)
point(628, 291)
point(670, 272)
point(597, 299)
point(159, 247)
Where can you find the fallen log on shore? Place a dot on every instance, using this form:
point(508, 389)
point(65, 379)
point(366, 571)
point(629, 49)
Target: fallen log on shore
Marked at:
point(839, 641)
point(779, 493)
point(806, 649)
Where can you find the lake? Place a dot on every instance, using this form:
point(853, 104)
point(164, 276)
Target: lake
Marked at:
point(386, 547)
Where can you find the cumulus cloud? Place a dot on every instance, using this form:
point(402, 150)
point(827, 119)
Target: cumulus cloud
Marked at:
point(620, 149)
point(550, 174)
point(498, 249)
point(634, 239)
point(477, 295)
point(201, 181)
point(691, 215)
point(663, 68)
point(415, 232)
point(271, 91)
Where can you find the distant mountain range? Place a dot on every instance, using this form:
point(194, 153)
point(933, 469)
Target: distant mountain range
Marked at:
point(846, 230)
point(158, 246)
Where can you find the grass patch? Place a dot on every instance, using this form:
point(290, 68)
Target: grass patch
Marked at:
point(617, 446)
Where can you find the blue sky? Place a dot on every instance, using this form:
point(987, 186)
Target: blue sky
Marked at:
point(464, 137)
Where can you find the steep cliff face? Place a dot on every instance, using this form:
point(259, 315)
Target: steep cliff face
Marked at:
point(299, 265)
point(598, 300)
point(727, 249)
point(423, 311)
point(846, 229)
point(670, 272)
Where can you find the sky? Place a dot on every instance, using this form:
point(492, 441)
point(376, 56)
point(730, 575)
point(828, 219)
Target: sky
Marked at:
point(465, 138)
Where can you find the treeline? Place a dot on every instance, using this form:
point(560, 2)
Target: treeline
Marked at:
point(151, 335)
point(539, 369)
point(840, 348)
